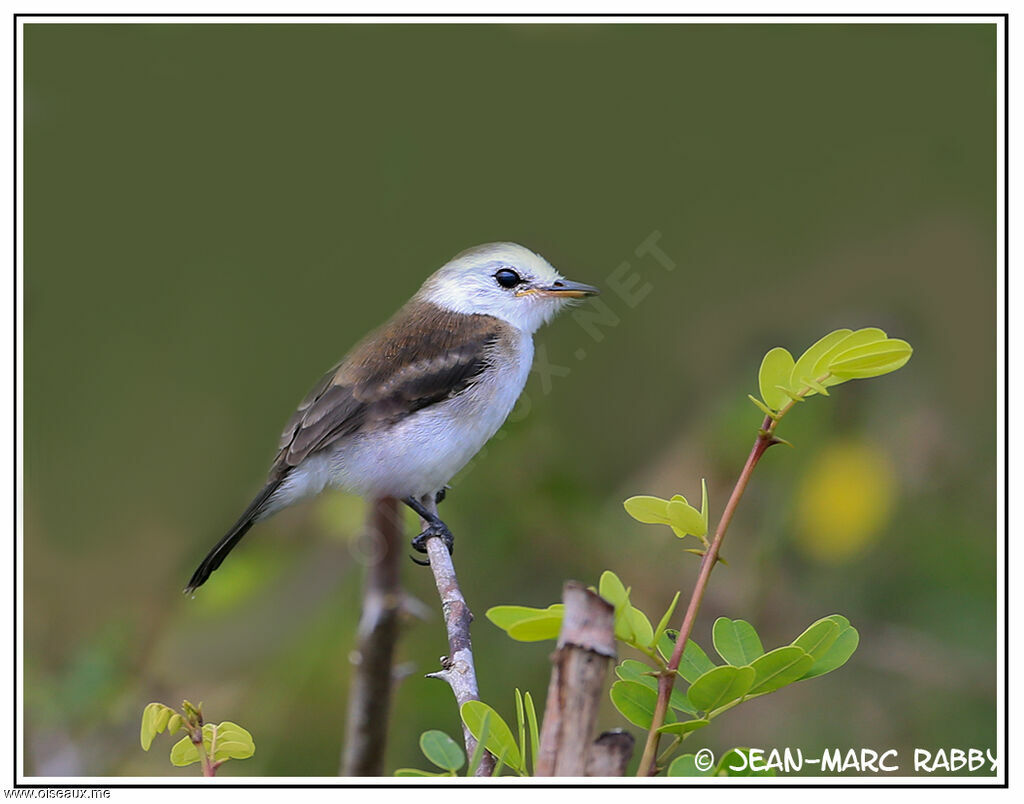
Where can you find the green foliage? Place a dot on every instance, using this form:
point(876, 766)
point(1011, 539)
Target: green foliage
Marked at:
point(636, 702)
point(534, 726)
point(841, 649)
point(720, 686)
point(778, 668)
point(703, 689)
point(632, 670)
point(498, 739)
point(442, 750)
point(155, 718)
point(677, 513)
point(220, 742)
point(525, 624)
point(491, 732)
point(840, 356)
point(736, 641)
point(713, 689)
point(694, 661)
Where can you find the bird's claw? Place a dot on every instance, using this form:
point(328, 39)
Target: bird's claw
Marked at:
point(439, 531)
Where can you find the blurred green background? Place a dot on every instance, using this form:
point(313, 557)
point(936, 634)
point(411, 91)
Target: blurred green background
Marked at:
point(214, 214)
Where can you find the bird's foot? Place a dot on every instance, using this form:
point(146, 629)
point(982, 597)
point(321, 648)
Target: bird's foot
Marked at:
point(438, 530)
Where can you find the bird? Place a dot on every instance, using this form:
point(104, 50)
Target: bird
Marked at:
point(417, 398)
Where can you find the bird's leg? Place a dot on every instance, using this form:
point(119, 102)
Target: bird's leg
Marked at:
point(426, 507)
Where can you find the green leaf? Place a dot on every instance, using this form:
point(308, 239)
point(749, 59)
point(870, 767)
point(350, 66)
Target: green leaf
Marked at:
point(693, 663)
point(155, 718)
point(521, 723)
point(853, 340)
point(233, 742)
point(684, 727)
point(704, 503)
point(840, 650)
point(531, 719)
point(720, 686)
point(537, 629)
point(790, 393)
point(776, 367)
point(818, 638)
point(871, 360)
point(611, 589)
point(500, 741)
point(174, 723)
point(685, 519)
point(649, 510)
point(663, 622)
point(739, 758)
point(507, 616)
point(442, 750)
point(643, 634)
point(686, 765)
point(184, 752)
point(778, 668)
point(416, 772)
point(803, 373)
point(636, 703)
point(762, 406)
point(478, 749)
point(499, 766)
point(736, 641)
point(632, 670)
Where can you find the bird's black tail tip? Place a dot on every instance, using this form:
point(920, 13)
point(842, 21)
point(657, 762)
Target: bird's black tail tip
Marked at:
point(216, 556)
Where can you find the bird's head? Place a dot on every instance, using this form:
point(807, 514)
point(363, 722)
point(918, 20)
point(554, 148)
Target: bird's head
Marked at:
point(504, 280)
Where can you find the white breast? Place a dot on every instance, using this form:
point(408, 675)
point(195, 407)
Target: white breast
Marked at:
point(422, 452)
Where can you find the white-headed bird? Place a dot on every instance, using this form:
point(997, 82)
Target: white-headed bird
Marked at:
point(413, 402)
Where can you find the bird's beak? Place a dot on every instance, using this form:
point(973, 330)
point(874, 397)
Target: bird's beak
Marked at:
point(563, 288)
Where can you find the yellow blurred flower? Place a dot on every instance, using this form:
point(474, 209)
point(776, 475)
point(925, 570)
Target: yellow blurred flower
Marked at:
point(844, 501)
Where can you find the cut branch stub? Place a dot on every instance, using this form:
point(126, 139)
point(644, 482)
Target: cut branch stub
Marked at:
point(586, 645)
point(610, 754)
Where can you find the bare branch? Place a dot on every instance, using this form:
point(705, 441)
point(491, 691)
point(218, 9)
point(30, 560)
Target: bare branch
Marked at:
point(457, 667)
point(586, 645)
point(372, 680)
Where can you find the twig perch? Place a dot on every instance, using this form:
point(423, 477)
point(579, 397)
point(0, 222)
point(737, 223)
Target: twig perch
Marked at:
point(457, 667)
point(586, 645)
point(372, 680)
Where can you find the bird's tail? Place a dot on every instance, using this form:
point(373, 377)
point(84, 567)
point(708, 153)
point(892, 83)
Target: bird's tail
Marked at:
point(220, 551)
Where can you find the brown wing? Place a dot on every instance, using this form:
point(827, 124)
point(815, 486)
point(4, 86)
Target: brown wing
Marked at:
point(422, 356)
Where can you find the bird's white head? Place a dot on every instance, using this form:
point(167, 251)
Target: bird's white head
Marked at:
point(505, 280)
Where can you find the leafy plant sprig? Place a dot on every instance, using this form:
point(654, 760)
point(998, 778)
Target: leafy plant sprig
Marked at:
point(492, 734)
point(206, 743)
point(840, 356)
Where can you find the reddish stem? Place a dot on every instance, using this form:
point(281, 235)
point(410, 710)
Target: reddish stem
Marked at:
point(667, 680)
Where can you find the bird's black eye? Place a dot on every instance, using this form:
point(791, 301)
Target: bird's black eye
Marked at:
point(508, 278)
